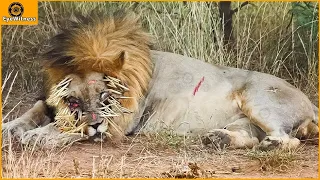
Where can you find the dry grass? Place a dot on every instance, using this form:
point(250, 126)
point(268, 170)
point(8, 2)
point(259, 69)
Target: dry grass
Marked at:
point(32, 164)
point(279, 160)
point(264, 41)
point(143, 157)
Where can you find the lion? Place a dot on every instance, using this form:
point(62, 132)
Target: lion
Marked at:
point(103, 79)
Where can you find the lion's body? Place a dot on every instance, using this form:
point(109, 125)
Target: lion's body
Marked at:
point(166, 91)
point(220, 98)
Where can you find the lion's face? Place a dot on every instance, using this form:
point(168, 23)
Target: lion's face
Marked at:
point(86, 96)
point(97, 71)
point(91, 101)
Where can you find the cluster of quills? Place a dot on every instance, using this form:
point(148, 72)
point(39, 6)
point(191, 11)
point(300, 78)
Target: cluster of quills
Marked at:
point(70, 121)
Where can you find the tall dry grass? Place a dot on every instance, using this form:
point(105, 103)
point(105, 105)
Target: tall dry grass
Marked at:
point(265, 40)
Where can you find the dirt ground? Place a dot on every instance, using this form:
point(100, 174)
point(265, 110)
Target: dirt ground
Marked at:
point(138, 160)
point(141, 156)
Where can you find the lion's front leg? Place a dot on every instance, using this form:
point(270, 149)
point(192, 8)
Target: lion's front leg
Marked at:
point(50, 136)
point(28, 121)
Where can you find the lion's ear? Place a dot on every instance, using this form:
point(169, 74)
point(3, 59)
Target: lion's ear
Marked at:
point(119, 62)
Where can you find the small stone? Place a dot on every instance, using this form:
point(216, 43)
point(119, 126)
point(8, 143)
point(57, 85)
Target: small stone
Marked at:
point(236, 169)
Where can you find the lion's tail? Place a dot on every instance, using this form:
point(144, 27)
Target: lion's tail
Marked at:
point(309, 129)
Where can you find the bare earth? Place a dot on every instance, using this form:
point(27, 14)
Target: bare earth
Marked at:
point(141, 157)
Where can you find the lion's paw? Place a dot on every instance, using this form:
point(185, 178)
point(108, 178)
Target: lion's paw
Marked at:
point(49, 136)
point(217, 139)
point(14, 129)
point(271, 143)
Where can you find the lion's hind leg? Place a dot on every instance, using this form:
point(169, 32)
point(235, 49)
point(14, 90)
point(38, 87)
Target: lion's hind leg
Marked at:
point(239, 134)
point(277, 113)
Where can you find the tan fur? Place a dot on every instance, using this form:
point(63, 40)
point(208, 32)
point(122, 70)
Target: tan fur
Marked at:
point(117, 48)
point(307, 130)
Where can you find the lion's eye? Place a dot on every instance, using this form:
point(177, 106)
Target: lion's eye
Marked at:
point(104, 95)
point(75, 105)
point(73, 102)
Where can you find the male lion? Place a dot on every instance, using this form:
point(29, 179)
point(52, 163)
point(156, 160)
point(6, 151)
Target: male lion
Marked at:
point(102, 77)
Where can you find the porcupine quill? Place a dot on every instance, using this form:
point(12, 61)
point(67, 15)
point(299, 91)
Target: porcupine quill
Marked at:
point(113, 108)
point(58, 91)
point(65, 119)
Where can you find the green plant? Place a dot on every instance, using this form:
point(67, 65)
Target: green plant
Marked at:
point(306, 16)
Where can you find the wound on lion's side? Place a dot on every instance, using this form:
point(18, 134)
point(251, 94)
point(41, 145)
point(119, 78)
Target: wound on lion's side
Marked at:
point(195, 90)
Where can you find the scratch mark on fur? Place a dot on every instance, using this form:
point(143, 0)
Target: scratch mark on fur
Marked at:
point(198, 86)
point(92, 81)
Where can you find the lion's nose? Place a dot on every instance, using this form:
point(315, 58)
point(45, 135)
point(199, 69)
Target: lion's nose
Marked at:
point(93, 118)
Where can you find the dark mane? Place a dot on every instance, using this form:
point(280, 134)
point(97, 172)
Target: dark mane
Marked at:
point(56, 54)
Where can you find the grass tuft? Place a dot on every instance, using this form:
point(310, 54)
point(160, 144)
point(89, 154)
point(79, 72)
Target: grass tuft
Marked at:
point(277, 160)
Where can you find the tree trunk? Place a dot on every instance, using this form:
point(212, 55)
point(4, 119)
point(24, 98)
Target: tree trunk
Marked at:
point(226, 13)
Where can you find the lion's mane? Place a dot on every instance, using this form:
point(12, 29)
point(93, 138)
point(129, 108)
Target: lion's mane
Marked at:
point(115, 45)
